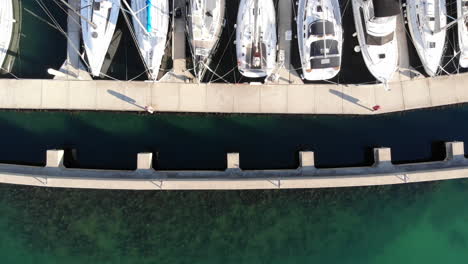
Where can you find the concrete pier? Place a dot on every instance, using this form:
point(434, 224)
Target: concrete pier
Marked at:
point(179, 73)
point(73, 68)
point(233, 98)
point(287, 73)
point(383, 172)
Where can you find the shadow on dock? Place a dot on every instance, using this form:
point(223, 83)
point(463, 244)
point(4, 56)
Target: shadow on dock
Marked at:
point(349, 99)
point(125, 98)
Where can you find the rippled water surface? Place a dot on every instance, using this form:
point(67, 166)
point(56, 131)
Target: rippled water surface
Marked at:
point(414, 223)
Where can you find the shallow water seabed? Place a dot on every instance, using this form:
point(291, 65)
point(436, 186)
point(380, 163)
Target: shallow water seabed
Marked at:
point(194, 141)
point(411, 223)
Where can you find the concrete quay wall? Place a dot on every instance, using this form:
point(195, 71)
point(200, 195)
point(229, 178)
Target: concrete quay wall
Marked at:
point(383, 172)
point(405, 94)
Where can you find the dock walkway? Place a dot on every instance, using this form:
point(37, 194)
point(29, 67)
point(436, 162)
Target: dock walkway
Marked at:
point(232, 98)
point(383, 172)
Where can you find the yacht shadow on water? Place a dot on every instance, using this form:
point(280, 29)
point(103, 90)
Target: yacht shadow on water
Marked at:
point(349, 99)
point(125, 98)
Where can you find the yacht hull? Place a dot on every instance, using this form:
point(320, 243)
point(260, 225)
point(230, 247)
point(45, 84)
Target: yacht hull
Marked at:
point(256, 38)
point(318, 16)
point(428, 41)
point(462, 11)
point(104, 15)
point(380, 59)
point(6, 28)
point(151, 25)
point(205, 24)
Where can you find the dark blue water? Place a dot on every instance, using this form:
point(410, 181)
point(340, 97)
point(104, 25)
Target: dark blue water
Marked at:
point(185, 141)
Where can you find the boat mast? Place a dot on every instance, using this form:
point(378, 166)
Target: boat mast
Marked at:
point(82, 17)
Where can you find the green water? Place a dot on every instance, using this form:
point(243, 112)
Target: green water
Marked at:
point(414, 223)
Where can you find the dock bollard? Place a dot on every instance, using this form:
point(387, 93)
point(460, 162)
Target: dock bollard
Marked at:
point(454, 150)
point(382, 157)
point(54, 158)
point(145, 161)
point(306, 160)
point(233, 161)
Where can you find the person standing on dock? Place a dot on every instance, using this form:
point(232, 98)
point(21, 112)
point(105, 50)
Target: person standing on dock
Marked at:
point(149, 109)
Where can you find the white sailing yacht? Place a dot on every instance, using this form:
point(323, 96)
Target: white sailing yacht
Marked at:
point(426, 22)
point(99, 18)
point(151, 25)
point(320, 37)
point(6, 28)
point(375, 25)
point(256, 38)
point(462, 11)
point(205, 24)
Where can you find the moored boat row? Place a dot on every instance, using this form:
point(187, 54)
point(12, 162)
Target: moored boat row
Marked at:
point(319, 34)
point(260, 37)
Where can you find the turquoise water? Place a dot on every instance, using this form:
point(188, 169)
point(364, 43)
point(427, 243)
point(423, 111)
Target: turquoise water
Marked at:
point(414, 223)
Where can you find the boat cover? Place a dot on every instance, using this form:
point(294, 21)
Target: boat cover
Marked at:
point(386, 8)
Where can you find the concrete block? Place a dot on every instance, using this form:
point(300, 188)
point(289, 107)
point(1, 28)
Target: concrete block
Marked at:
point(389, 100)
point(165, 96)
point(144, 161)
point(193, 98)
point(138, 94)
point(454, 151)
point(220, 99)
point(382, 157)
point(54, 158)
point(328, 99)
point(273, 99)
point(233, 161)
point(7, 93)
point(443, 91)
point(301, 99)
point(110, 95)
point(416, 94)
point(55, 94)
point(461, 87)
point(306, 159)
point(358, 99)
point(82, 95)
point(247, 98)
point(28, 94)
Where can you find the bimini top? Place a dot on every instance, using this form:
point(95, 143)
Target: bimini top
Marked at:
point(386, 8)
point(321, 28)
point(324, 53)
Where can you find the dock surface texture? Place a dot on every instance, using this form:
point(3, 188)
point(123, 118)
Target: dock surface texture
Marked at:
point(383, 172)
point(233, 98)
